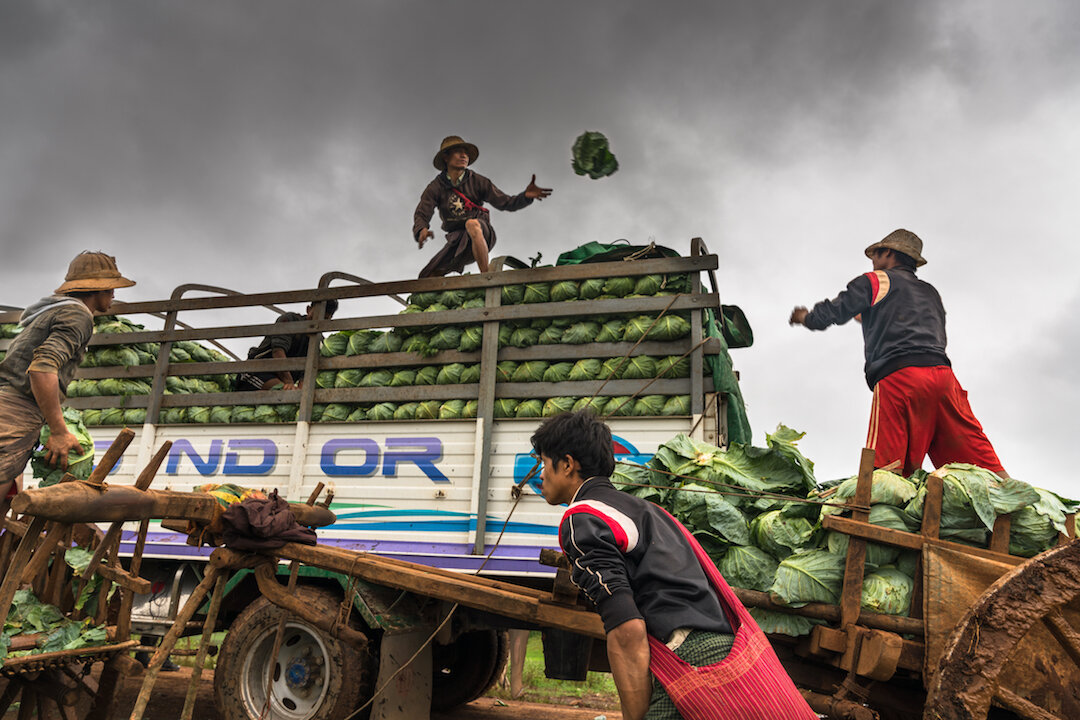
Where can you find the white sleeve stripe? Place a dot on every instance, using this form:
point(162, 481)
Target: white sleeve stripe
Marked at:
point(618, 517)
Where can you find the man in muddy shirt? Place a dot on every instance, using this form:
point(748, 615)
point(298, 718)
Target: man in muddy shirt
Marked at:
point(42, 360)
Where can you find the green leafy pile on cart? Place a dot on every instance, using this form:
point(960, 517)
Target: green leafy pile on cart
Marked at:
point(747, 506)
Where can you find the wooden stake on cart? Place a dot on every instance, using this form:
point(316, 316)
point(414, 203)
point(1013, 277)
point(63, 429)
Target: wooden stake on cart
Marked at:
point(204, 644)
point(294, 571)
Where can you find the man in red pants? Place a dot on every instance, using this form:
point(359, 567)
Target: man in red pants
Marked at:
point(919, 408)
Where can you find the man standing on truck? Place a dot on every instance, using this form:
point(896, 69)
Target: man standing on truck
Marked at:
point(459, 194)
point(42, 360)
point(918, 406)
point(669, 617)
point(280, 347)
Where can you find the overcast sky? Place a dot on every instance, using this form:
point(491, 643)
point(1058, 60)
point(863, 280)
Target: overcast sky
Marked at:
point(257, 145)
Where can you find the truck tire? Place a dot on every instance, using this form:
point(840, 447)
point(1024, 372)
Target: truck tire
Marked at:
point(467, 668)
point(318, 676)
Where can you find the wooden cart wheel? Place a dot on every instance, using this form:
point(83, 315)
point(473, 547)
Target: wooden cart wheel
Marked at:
point(1017, 647)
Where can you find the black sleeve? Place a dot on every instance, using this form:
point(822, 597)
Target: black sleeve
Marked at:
point(285, 342)
point(856, 299)
point(598, 567)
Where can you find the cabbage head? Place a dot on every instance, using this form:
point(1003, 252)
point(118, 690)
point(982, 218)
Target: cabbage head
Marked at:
point(115, 416)
point(403, 377)
point(446, 338)
point(220, 414)
point(420, 344)
point(673, 366)
point(406, 411)
point(451, 298)
point(612, 369)
point(472, 338)
point(360, 341)
point(611, 331)
point(619, 406)
point(591, 289)
point(423, 299)
point(537, 293)
point(531, 408)
point(886, 488)
point(564, 290)
point(79, 463)
point(176, 355)
point(317, 410)
point(592, 156)
point(580, 333)
point(557, 406)
point(524, 337)
point(359, 414)
point(648, 284)
point(806, 577)
point(619, 286)
point(81, 388)
point(781, 536)
point(146, 357)
point(334, 412)
point(471, 374)
point(242, 414)
point(325, 378)
point(427, 375)
point(595, 405)
point(428, 410)
point(676, 405)
point(670, 327)
point(473, 303)
point(91, 417)
point(530, 371)
point(352, 377)
point(436, 307)
point(169, 416)
point(513, 294)
point(471, 409)
point(558, 372)
point(641, 367)
point(504, 371)
point(452, 410)
point(637, 327)
point(89, 360)
point(265, 414)
point(385, 342)
point(587, 369)
point(134, 416)
point(450, 374)
point(116, 355)
point(1035, 528)
point(287, 412)
point(335, 345)
point(377, 378)
point(774, 622)
point(382, 411)
point(887, 591)
point(702, 508)
point(649, 405)
point(748, 567)
point(198, 414)
point(551, 335)
point(505, 407)
point(505, 331)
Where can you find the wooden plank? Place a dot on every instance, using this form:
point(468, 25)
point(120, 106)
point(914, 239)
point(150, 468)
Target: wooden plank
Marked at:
point(873, 533)
point(855, 563)
point(124, 579)
point(15, 662)
point(697, 361)
point(483, 280)
point(999, 538)
point(470, 316)
point(485, 412)
point(931, 520)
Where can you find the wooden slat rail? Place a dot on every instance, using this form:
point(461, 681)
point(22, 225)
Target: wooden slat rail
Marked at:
point(908, 541)
point(468, 590)
point(665, 266)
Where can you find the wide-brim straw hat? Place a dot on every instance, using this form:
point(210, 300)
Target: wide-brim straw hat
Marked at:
point(903, 241)
point(453, 141)
point(92, 272)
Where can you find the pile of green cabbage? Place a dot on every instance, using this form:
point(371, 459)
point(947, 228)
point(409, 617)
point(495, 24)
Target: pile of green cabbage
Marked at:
point(79, 463)
point(743, 505)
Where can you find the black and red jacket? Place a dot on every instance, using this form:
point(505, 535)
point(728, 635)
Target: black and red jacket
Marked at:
point(634, 562)
point(903, 320)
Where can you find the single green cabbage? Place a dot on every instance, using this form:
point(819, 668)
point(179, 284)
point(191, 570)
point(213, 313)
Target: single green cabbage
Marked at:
point(648, 284)
point(471, 374)
point(619, 406)
point(557, 372)
point(676, 405)
point(591, 289)
point(672, 366)
point(649, 405)
point(79, 463)
point(531, 408)
point(580, 333)
point(403, 377)
point(595, 405)
point(530, 371)
point(428, 410)
point(537, 293)
point(450, 374)
point(557, 406)
point(592, 156)
point(452, 410)
point(781, 536)
point(382, 411)
point(406, 411)
point(564, 290)
point(504, 371)
point(612, 331)
point(524, 337)
point(452, 298)
point(427, 375)
point(641, 367)
point(887, 591)
point(335, 345)
point(748, 567)
point(513, 294)
point(619, 286)
point(472, 338)
point(587, 369)
point(806, 577)
point(377, 378)
point(505, 407)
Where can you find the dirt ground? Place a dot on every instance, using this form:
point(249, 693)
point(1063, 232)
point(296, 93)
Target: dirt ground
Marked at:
point(168, 700)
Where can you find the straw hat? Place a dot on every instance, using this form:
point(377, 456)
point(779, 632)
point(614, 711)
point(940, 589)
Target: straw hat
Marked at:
point(903, 241)
point(91, 272)
point(453, 141)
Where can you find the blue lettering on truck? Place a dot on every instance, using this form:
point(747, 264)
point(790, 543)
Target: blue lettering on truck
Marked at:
point(623, 450)
point(259, 456)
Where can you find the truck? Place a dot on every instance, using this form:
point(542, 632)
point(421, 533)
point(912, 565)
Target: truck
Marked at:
point(435, 473)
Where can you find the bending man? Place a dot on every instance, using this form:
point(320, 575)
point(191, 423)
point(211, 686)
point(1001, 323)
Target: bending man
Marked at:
point(918, 407)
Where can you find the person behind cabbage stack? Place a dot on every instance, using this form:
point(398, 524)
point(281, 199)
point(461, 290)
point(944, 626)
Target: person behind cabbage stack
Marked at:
point(280, 347)
point(919, 407)
point(459, 194)
point(42, 360)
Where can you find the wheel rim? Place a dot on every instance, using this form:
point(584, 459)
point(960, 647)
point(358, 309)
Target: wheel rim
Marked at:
point(300, 673)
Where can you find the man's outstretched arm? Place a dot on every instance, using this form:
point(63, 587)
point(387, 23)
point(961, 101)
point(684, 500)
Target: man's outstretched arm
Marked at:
point(628, 655)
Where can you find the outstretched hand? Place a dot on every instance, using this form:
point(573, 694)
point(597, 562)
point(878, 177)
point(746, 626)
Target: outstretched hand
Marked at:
point(423, 236)
point(798, 316)
point(535, 192)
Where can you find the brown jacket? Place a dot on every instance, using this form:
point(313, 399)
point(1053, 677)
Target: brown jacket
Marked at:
point(54, 337)
point(439, 194)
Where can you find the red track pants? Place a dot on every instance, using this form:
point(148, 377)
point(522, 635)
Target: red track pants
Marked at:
point(923, 410)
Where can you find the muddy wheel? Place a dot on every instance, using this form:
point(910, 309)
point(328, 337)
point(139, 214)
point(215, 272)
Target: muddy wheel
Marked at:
point(466, 668)
point(1017, 648)
point(316, 676)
